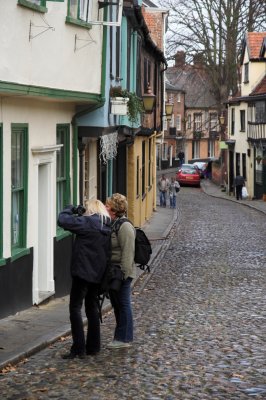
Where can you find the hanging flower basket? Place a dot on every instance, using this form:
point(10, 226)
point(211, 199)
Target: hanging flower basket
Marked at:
point(119, 105)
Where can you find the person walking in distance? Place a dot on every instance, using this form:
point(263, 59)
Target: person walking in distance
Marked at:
point(92, 227)
point(163, 186)
point(239, 182)
point(174, 188)
point(181, 156)
point(122, 253)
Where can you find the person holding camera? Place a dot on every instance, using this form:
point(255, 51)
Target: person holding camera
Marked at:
point(122, 253)
point(91, 248)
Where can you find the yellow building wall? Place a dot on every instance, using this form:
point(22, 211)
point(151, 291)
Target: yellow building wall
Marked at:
point(141, 205)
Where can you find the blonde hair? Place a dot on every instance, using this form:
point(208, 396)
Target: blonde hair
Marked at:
point(95, 206)
point(118, 204)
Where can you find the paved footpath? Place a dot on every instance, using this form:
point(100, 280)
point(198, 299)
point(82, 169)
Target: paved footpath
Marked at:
point(199, 320)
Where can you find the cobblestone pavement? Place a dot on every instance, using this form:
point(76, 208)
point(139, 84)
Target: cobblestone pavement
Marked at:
point(200, 321)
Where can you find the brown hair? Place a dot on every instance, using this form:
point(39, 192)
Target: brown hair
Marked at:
point(118, 204)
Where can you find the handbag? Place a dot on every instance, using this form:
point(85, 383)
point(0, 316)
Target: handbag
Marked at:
point(244, 192)
point(112, 279)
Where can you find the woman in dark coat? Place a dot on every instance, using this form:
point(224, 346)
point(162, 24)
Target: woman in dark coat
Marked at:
point(89, 258)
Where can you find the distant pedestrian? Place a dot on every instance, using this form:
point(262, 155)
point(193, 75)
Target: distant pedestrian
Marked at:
point(181, 156)
point(92, 227)
point(174, 188)
point(239, 182)
point(163, 186)
point(208, 171)
point(122, 253)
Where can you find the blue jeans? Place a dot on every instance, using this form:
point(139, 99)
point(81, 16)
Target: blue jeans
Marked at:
point(173, 202)
point(162, 199)
point(121, 303)
point(83, 290)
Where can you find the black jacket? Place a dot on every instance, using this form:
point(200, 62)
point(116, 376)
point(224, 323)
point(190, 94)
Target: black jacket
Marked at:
point(91, 246)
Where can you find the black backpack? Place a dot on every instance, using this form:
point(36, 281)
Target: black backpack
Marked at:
point(143, 248)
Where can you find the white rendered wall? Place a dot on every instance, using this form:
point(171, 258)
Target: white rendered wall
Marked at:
point(50, 59)
point(42, 118)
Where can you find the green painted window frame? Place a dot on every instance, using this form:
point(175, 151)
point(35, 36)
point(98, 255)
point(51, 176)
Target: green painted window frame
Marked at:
point(75, 19)
point(62, 172)
point(18, 247)
point(36, 7)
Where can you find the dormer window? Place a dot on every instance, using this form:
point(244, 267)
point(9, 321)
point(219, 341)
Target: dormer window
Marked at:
point(246, 72)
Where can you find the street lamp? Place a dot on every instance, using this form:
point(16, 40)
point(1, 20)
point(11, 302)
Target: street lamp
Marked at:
point(148, 100)
point(169, 111)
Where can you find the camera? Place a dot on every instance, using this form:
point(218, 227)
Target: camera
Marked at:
point(79, 210)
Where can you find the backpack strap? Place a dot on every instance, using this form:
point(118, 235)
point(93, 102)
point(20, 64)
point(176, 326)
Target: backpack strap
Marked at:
point(118, 222)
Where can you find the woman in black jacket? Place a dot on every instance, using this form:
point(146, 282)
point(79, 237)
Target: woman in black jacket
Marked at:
point(89, 258)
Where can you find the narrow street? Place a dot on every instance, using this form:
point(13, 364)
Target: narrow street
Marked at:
point(200, 320)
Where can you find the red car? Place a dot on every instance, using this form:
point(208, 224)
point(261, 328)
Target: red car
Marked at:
point(188, 174)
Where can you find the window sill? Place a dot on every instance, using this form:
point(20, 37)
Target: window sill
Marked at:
point(20, 252)
point(61, 234)
point(78, 22)
point(35, 7)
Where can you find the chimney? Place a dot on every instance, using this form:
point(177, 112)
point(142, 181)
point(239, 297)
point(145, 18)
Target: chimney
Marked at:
point(180, 59)
point(198, 60)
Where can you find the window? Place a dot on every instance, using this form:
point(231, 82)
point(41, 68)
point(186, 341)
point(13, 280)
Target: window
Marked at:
point(197, 123)
point(19, 173)
point(189, 121)
point(178, 97)
point(211, 148)
point(178, 122)
point(62, 168)
point(38, 5)
point(196, 149)
point(164, 151)
point(260, 112)
point(246, 72)
point(213, 122)
point(79, 9)
point(232, 121)
point(147, 74)
point(242, 120)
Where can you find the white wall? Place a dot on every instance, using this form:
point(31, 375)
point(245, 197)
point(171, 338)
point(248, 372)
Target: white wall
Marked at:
point(41, 118)
point(48, 60)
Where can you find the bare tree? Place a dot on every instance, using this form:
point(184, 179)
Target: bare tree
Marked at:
point(214, 28)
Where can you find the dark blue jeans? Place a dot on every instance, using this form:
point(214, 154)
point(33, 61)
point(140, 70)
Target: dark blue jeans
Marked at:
point(83, 290)
point(121, 303)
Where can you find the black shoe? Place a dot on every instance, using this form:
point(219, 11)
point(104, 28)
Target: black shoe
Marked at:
point(71, 356)
point(92, 353)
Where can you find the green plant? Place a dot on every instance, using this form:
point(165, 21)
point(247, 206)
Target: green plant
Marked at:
point(134, 105)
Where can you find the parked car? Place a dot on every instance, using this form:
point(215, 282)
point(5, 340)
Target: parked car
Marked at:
point(201, 167)
point(188, 174)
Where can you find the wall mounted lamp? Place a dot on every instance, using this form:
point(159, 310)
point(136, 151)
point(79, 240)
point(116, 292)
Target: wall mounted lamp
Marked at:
point(148, 100)
point(169, 111)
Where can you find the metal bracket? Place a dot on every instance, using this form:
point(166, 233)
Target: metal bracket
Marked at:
point(88, 41)
point(45, 28)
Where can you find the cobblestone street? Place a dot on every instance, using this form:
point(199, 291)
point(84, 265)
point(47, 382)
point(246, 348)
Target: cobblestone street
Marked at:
point(200, 320)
